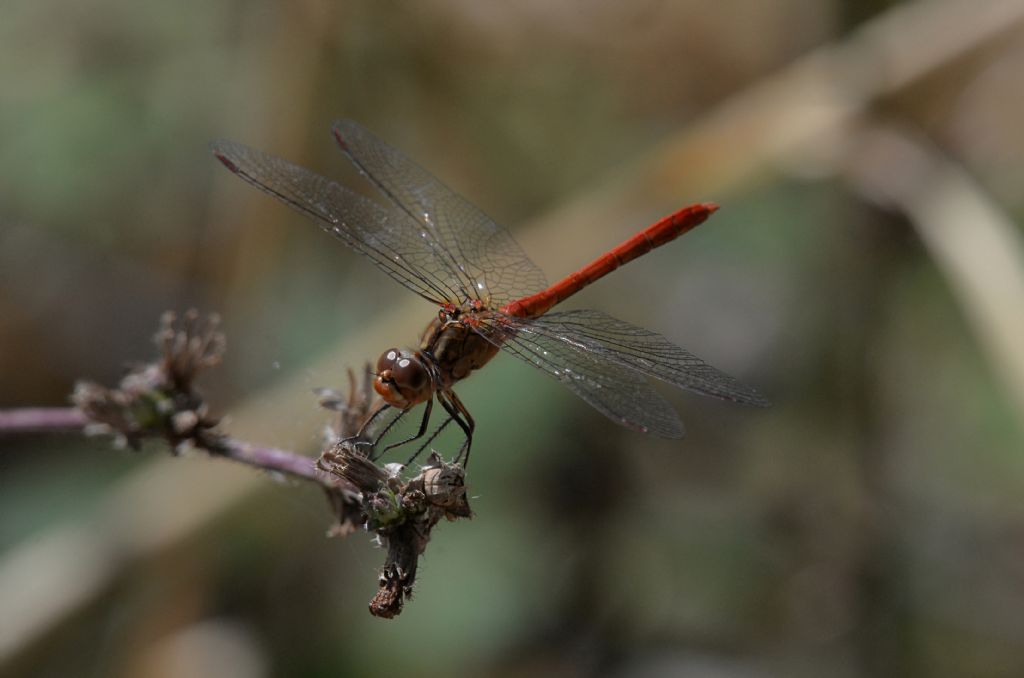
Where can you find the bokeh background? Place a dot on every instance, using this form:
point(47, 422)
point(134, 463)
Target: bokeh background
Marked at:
point(866, 272)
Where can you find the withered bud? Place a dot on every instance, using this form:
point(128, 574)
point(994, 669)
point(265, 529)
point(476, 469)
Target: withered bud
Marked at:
point(189, 347)
point(158, 399)
point(343, 460)
point(351, 410)
point(444, 486)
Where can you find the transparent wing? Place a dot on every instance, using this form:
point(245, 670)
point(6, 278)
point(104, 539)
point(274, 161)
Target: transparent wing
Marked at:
point(622, 395)
point(613, 341)
point(483, 256)
point(388, 237)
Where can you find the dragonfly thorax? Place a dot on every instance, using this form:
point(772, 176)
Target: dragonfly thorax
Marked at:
point(456, 345)
point(465, 313)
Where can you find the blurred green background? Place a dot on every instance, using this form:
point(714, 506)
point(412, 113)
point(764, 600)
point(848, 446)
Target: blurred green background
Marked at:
point(865, 272)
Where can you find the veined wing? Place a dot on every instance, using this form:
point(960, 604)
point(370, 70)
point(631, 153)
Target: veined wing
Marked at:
point(616, 341)
point(484, 258)
point(621, 394)
point(388, 237)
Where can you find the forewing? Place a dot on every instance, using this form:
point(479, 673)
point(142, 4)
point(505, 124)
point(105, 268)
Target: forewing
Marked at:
point(483, 256)
point(620, 394)
point(611, 340)
point(388, 237)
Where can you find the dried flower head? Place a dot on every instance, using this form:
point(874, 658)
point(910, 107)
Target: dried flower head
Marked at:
point(351, 409)
point(402, 513)
point(159, 399)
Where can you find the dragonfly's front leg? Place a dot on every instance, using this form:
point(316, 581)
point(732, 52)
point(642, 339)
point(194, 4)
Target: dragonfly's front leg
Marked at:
point(360, 436)
point(419, 434)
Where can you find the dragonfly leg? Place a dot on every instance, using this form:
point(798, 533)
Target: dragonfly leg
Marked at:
point(359, 437)
point(429, 440)
point(390, 425)
point(463, 418)
point(419, 434)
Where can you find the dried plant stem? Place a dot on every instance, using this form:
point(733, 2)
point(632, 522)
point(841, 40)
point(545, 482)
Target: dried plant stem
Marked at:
point(274, 460)
point(42, 420)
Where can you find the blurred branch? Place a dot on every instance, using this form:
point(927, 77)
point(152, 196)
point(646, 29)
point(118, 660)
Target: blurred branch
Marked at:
point(72, 420)
point(798, 113)
point(42, 420)
point(50, 577)
point(975, 244)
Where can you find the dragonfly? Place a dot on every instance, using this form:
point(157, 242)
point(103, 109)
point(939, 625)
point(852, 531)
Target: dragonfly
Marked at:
point(490, 296)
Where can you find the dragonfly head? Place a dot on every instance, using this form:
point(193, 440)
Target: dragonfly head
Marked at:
point(402, 379)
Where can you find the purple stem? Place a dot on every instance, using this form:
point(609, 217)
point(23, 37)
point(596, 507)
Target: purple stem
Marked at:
point(42, 420)
point(273, 459)
point(71, 419)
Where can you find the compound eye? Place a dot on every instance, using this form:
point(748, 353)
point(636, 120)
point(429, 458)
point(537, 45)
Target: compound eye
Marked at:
point(409, 374)
point(387, 359)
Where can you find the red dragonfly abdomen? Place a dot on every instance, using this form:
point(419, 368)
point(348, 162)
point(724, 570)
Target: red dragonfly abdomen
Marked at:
point(663, 231)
